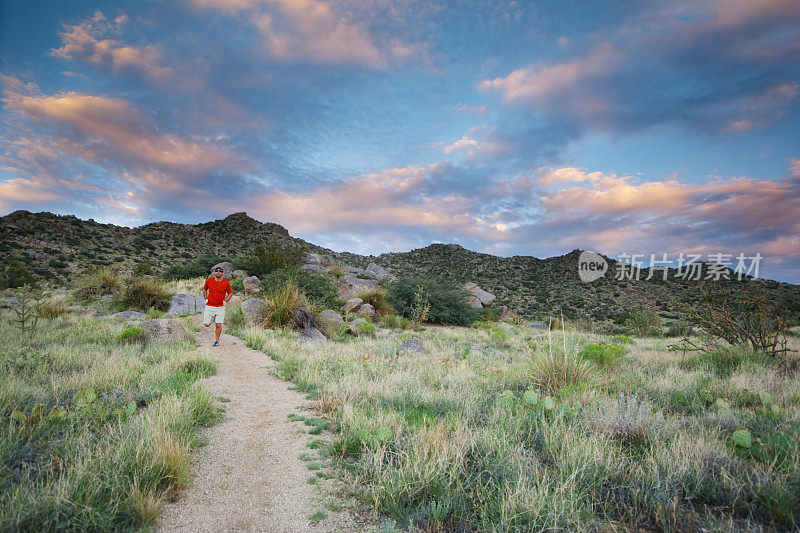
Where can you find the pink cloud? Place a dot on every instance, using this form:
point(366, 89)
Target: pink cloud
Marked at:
point(85, 42)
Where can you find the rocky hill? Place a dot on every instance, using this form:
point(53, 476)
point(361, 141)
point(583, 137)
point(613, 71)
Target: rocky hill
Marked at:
point(58, 247)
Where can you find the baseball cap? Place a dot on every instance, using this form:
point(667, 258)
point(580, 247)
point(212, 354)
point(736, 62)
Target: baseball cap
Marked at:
point(219, 268)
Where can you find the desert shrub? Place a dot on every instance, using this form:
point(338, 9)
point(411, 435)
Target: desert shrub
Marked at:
point(378, 300)
point(286, 305)
point(447, 301)
point(318, 290)
point(52, 309)
point(621, 339)
point(727, 317)
point(95, 282)
point(396, 322)
point(602, 354)
point(643, 322)
point(237, 284)
point(142, 269)
point(235, 316)
point(195, 269)
point(152, 314)
point(273, 255)
point(132, 335)
point(28, 308)
point(14, 274)
point(628, 418)
point(145, 293)
point(558, 368)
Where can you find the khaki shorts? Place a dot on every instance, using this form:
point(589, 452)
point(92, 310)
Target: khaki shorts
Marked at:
point(213, 314)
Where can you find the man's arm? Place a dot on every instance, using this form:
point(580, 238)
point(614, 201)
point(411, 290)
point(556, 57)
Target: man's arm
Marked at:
point(205, 290)
point(229, 293)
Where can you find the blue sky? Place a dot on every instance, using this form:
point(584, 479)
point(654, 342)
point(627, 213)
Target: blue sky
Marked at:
point(527, 128)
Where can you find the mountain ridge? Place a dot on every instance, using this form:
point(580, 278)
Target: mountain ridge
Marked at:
point(58, 247)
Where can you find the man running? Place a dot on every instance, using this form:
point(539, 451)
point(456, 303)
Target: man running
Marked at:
point(216, 291)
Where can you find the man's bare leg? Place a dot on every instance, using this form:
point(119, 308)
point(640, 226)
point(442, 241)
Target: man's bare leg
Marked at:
point(217, 329)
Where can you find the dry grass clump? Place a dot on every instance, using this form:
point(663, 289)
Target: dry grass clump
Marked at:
point(97, 282)
point(378, 299)
point(286, 305)
point(628, 418)
point(146, 293)
point(555, 369)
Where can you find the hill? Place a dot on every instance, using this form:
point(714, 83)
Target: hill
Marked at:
point(57, 247)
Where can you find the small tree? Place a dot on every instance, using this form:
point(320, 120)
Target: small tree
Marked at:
point(420, 307)
point(29, 307)
point(273, 255)
point(643, 322)
point(729, 317)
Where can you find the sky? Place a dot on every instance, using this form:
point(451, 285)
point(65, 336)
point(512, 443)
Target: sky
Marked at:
point(509, 127)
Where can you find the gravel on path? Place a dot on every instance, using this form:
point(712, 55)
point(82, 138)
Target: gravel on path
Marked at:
point(249, 476)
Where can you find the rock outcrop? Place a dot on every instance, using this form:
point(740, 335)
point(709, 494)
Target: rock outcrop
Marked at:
point(351, 284)
point(252, 307)
point(250, 283)
point(329, 316)
point(227, 269)
point(366, 310)
point(165, 329)
point(412, 345)
point(186, 304)
point(310, 334)
point(351, 305)
point(486, 299)
point(241, 274)
point(377, 272)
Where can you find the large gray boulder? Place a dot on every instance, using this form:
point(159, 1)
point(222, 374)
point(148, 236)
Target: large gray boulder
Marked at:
point(537, 325)
point(413, 345)
point(351, 305)
point(329, 316)
point(252, 307)
point(366, 310)
point(310, 334)
point(352, 270)
point(165, 329)
point(241, 274)
point(486, 298)
point(227, 269)
point(250, 283)
point(186, 304)
point(377, 272)
point(350, 285)
point(474, 302)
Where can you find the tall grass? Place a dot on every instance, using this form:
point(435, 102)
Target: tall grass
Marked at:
point(521, 436)
point(96, 433)
point(97, 282)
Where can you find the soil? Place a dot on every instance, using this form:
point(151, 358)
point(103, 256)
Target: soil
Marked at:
point(249, 476)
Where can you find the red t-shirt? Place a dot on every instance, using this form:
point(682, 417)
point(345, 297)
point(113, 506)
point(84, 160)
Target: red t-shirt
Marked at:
point(217, 290)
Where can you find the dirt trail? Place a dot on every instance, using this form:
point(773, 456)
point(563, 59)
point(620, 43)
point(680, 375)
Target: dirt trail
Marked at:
point(249, 476)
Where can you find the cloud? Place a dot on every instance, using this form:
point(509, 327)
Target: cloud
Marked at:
point(111, 127)
point(313, 30)
point(480, 143)
point(728, 65)
point(84, 42)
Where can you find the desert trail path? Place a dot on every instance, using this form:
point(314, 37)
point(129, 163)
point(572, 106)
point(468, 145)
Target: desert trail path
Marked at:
point(249, 476)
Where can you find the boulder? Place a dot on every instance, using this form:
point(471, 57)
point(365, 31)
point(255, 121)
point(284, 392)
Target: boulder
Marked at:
point(376, 271)
point(314, 268)
point(310, 334)
point(360, 326)
point(235, 300)
point(165, 329)
point(366, 310)
point(537, 325)
point(186, 304)
point(252, 307)
point(351, 305)
point(241, 274)
point(484, 297)
point(413, 345)
point(475, 349)
point(326, 260)
point(474, 302)
point(227, 269)
point(329, 316)
point(250, 283)
point(106, 298)
point(352, 270)
point(350, 285)
point(505, 312)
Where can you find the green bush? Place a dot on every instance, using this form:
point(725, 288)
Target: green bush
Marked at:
point(96, 282)
point(643, 322)
point(272, 256)
point(195, 269)
point(145, 293)
point(378, 300)
point(132, 336)
point(396, 322)
point(234, 316)
point(14, 274)
point(725, 361)
point(621, 339)
point(142, 269)
point(448, 302)
point(318, 290)
point(602, 354)
point(237, 284)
